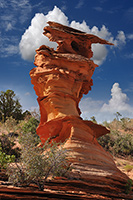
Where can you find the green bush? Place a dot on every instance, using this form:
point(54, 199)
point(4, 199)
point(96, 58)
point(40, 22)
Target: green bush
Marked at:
point(10, 124)
point(117, 143)
point(7, 144)
point(38, 163)
point(5, 159)
point(128, 168)
point(30, 126)
point(128, 186)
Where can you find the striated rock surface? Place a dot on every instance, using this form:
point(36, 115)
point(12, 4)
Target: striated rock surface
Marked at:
point(68, 189)
point(60, 79)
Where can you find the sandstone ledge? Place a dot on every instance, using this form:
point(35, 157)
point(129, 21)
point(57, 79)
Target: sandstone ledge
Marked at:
point(68, 189)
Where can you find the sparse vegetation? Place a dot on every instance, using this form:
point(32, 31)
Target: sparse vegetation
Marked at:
point(5, 159)
point(36, 163)
point(128, 168)
point(30, 126)
point(7, 144)
point(33, 164)
point(128, 186)
point(117, 143)
point(93, 119)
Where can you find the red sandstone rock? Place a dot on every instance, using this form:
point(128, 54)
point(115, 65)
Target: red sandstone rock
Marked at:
point(69, 189)
point(60, 79)
point(71, 40)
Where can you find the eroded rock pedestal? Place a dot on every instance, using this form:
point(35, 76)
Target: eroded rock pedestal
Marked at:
point(60, 79)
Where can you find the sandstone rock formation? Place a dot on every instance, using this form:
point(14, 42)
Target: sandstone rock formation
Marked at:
point(65, 189)
point(60, 79)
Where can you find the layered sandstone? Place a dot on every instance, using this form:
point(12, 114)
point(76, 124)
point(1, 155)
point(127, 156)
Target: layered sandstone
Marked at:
point(61, 78)
point(68, 189)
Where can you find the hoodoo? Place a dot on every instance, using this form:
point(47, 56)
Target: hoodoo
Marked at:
point(60, 79)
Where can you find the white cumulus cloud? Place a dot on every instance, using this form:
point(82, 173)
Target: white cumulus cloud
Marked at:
point(99, 53)
point(33, 37)
point(120, 39)
point(105, 111)
point(118, 101)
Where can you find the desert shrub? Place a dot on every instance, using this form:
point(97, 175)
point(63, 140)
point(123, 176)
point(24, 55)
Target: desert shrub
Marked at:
point(117, 143)
point(106, 124)
point(5, 159)
point(128, 186)
point(38, 163)
point(30, 126)
point(8, 141)
point(7, 144)
point(93, 119)
point(10, 124)
point(125, 123)
point(128, 168)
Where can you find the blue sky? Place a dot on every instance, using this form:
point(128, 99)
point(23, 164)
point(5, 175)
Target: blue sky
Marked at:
point(21, 27)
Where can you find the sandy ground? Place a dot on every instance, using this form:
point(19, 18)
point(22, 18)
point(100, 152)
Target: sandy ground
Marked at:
point(123, 164)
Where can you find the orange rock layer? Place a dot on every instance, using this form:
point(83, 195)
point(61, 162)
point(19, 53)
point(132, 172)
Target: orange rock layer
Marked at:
point(69, 189)
point(60, 79)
